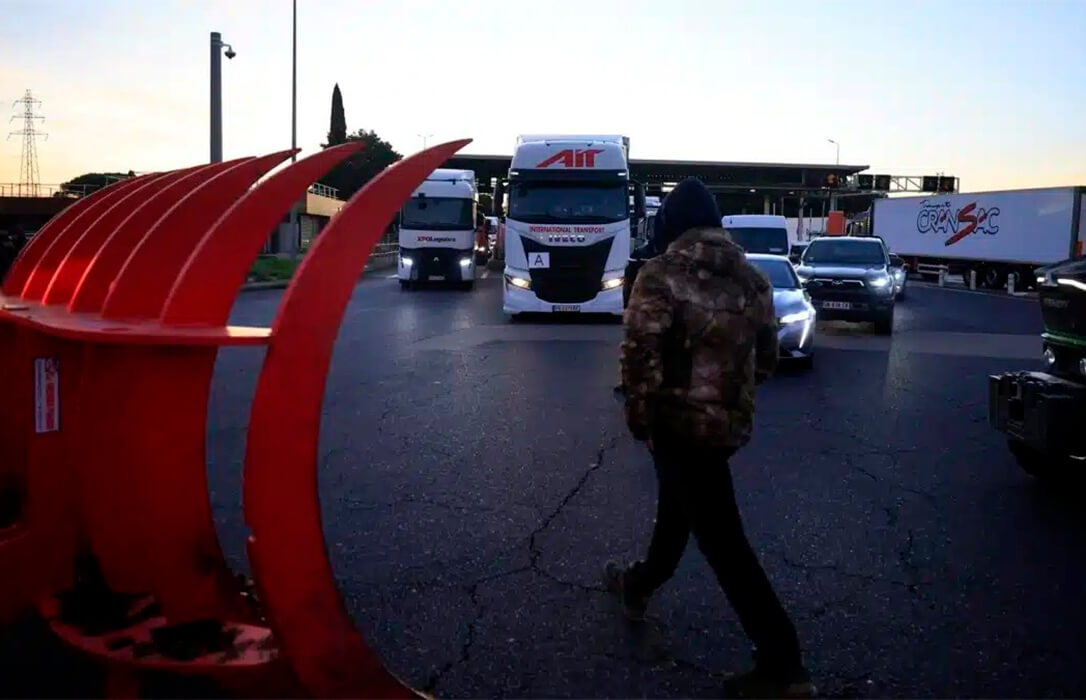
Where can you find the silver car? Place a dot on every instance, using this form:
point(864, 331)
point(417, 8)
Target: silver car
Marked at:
point(795, 313)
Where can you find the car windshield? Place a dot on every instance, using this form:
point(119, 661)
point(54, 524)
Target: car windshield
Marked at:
point(569, 202)
point(780, 272)
point(771, 241)
point(437, 214)
point(845, 252)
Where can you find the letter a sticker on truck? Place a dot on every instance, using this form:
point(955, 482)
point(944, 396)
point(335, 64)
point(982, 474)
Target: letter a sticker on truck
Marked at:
point(539, 260)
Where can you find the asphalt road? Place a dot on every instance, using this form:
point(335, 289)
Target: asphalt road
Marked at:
point(477, 474)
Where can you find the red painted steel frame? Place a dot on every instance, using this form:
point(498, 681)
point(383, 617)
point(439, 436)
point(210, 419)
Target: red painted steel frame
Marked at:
point(130, 289)
point(282, 507)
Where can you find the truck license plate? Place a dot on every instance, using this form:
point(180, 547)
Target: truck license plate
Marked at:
point(565, 308)
point(842, 305)
point(437, 278)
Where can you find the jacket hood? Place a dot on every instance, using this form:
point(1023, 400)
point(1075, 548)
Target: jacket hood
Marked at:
point(709, 248)
point(688, 206)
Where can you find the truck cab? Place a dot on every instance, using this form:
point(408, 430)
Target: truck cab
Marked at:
point(569, 225)
point(438, 232)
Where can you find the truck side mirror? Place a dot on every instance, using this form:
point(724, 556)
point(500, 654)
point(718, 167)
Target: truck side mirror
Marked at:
point(639, 201)
point(498, 199)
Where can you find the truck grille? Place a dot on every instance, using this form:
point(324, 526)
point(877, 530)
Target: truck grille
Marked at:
point(575, 272)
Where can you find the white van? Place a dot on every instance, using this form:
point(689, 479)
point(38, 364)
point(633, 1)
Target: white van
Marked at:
point(758, 233)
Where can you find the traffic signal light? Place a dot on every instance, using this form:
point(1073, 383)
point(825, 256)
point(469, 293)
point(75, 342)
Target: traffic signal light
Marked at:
point(930, 183)
point(946, 184)
point(865, 182)
point(882, 183)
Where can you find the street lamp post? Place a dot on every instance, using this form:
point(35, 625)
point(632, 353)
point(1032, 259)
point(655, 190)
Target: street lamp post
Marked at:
point(216, 93)
point(838, 161)
point(294, 83)
point(424, 137)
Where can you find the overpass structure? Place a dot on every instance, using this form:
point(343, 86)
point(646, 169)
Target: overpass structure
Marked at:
point(788, 189)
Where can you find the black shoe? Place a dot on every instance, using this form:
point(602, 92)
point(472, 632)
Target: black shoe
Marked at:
point(761, 683)
point(614, 576)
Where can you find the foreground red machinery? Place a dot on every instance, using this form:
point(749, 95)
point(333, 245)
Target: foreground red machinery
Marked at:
point(110, 321)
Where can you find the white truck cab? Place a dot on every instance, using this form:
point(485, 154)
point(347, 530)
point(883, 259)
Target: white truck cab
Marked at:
point(759, 233)
point(437, 230)
point(568, 226)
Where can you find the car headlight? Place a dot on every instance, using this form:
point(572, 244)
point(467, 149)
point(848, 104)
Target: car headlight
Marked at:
point(520, 282)
point(795, 318)
point(613, 283)
point(878, 282)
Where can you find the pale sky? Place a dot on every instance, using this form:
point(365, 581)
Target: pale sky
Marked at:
point(993, 92)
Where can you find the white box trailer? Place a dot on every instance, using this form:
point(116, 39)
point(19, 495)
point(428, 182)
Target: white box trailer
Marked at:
point(991, 233)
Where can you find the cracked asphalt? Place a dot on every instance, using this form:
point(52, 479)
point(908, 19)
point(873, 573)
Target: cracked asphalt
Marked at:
point(476, 475)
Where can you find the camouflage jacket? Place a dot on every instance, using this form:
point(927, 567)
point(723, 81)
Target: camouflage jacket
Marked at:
point(700, 333)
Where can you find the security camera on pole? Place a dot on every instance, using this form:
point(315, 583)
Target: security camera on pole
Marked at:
point(216, 93)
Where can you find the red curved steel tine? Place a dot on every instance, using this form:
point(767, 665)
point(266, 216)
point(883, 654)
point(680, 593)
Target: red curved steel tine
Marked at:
point(75, 263)
point(282, 505)
point(93, 288)
point(208, 285)
point(63, 241)
point(143, 283)
point(30, 254)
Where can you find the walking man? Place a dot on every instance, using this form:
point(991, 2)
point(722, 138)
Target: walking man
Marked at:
point(700, 333)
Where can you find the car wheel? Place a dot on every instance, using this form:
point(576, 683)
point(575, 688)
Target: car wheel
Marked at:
point(405, 285)
point(900, 295)
point(885, 325)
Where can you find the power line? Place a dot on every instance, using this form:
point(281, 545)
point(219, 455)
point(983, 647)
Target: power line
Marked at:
point(28, 166)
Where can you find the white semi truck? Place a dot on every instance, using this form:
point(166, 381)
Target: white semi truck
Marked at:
point(568, 226)
point(437, 230)
point(993, 234)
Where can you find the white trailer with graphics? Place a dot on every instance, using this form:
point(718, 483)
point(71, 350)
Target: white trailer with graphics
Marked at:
point(568, 226)
point(993, 234)
point(437, 231)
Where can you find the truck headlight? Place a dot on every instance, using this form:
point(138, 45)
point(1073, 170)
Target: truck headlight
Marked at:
point(464, 262)
point(407, 262)
point(612, 284)
point(519, 282)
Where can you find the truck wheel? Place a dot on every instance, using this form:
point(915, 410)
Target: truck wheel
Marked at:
point(405, 285)
point(885, 325)
point(994, 277)
point(467, 286)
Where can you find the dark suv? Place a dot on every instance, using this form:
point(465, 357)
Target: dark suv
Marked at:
point(850, 279)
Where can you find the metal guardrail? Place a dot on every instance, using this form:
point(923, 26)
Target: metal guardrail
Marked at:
point(14, 189)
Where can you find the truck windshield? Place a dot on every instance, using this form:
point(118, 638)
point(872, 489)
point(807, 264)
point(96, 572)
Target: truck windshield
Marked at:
point(780, 273)
point(437, 214)
point(772, 241)
point(569, 202)
point(845, 253)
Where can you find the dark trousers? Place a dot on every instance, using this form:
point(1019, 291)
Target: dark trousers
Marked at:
point(696, 495)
